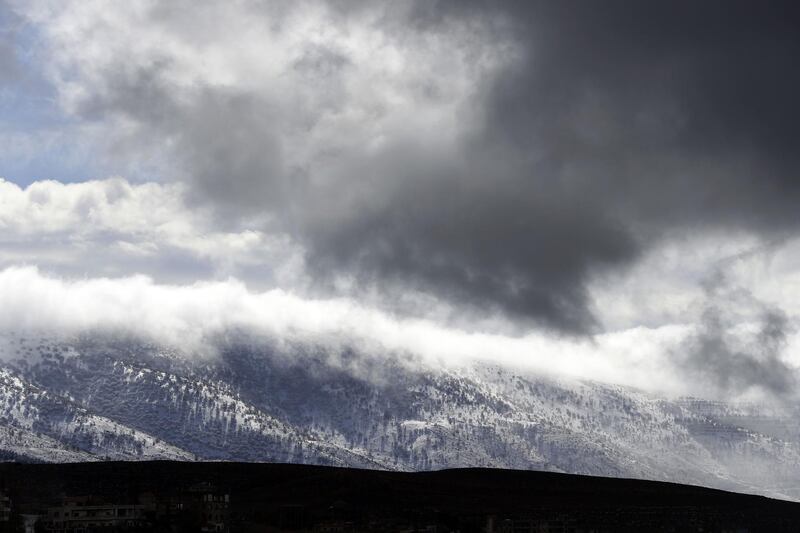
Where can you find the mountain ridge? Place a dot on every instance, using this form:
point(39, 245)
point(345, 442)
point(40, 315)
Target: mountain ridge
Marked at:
point(96, 398)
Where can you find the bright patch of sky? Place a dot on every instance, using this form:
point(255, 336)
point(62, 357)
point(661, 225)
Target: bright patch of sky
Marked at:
point(37, 139)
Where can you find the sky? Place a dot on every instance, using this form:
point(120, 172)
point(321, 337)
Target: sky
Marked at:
point(605, 190)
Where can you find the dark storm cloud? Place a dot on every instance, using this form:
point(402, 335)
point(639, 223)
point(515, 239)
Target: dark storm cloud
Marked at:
point(619, 122)
point(669, 112)
point(715, 357)
point(623, 121)
point(488, 245)
point(225, 139)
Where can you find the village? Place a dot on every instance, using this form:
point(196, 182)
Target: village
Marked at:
point(204, 508)
point(199, 507)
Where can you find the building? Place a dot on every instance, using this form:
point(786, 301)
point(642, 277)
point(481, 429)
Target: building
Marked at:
point(5, 508)
point(6, 523)
point(213, 506)
point(199, 507)
point(82, 515)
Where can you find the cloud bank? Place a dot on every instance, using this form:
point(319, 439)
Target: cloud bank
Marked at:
point(193, 318)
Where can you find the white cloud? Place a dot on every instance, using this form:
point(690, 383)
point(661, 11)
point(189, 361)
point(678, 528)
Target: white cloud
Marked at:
point(190, 316)
point(666, 285)
point(113, 226)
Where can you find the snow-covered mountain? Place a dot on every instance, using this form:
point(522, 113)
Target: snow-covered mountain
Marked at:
point(101, 397)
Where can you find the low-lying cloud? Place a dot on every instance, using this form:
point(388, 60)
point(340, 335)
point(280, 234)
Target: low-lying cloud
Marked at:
point(192, 318)
point(734, 353)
